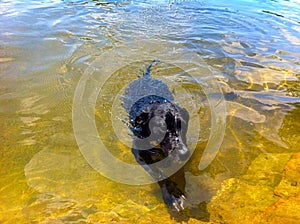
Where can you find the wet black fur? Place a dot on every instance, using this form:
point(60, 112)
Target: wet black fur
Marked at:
point(166, 136)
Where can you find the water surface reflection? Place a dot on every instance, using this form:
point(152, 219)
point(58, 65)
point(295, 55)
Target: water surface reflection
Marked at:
point(45, 48)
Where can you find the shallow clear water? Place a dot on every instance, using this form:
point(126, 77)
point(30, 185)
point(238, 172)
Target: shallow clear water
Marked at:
point(252, 49)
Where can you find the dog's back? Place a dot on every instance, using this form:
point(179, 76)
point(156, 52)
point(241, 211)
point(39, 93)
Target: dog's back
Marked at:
point(143, 87)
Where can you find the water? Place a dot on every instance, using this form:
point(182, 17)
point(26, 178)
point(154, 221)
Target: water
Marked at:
point(253, 49)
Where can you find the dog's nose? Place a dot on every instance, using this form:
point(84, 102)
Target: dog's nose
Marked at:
point(183, 151)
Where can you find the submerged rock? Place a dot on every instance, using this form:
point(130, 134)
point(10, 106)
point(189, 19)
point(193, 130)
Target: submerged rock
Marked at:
point(285, 211)
point(290, 183)
point(251, 198)
point(287, 208)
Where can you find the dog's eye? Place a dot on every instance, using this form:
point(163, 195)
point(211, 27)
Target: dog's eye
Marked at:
point(143, 118)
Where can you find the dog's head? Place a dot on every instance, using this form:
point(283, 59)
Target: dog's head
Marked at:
point(164, 126)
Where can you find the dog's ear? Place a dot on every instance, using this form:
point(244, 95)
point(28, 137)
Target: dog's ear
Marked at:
point(184, 114)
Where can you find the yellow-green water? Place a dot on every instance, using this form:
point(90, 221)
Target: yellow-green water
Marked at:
point(46, 47)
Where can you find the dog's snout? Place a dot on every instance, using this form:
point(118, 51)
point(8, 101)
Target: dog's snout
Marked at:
point(183, 151)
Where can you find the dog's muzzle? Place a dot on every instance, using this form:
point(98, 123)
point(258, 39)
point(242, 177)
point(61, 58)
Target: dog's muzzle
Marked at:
point(183, 152)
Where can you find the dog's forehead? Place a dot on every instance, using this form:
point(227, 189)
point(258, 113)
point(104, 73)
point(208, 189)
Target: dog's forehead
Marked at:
point(166, 108)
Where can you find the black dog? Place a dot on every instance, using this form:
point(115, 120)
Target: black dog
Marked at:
point(160, 128)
